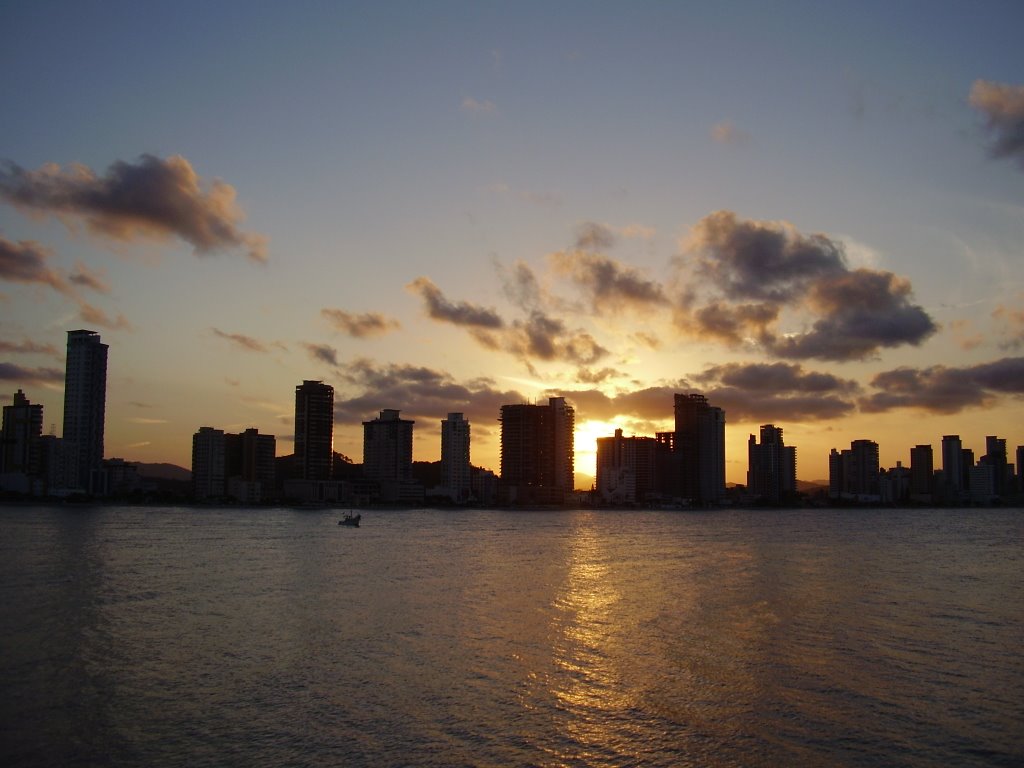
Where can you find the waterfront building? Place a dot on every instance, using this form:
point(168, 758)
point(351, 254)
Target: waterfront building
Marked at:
point(699, 445)
point(853, 472)
point(314, 430)
point(22, 428)
point(387, 457)
point(208, 464)
point(85, 397)
point(953, 468)
point(995, 457)
point(922, 473)
point(455, 463)
point(537, 452)
point(771, 472)
point(627, 468)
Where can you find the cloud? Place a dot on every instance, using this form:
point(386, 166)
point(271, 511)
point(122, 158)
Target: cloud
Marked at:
point(591, 236)
point(25, 262)
point(942, 389)
point(419, 392)
point(28, 347)
point(760, 268)
point(87, 278)
point(461, 313)
point(13, 372)
point(1011, 326)
point(609, 285)
point(323, 353)
point(1003, 108)
point(360, 326)
point(144, 420)
point(725, 132)
point(151, 198)
point(247, 343)
point(761, 260)
point(777, 392)
point(520, 286)
point(476, 107)
point(861, 312)
point(92, 315)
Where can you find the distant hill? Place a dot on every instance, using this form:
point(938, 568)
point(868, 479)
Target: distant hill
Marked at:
point(811, 486)
point(163, 471)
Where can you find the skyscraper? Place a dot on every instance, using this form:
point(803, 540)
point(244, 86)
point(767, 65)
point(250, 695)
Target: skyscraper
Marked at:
point(22, 428)
point(953, 465)
point(699, 449)
point(85, 398)
point(922, 471)
point(387, 447)
point(537, 452)
point(455, 466)
point(771, 466)
point(314, 430)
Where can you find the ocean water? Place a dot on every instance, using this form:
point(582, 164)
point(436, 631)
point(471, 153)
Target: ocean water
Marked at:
point(213, 637)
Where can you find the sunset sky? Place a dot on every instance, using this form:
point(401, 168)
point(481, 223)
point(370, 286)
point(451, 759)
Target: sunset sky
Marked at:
point(814, 216)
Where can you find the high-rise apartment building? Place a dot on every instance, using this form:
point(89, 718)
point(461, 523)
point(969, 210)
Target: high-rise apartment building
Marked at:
point(995, 457)
point(22, 429)
point(455, 464)
point(314, 430)
point(854, 471)
point(387, 447)
point(537, 451)
point(953, 469)
point(771, 466)
point(85, 397)
point(699, 449)
point(627, 468)
point(209, 458)
point(922, 471)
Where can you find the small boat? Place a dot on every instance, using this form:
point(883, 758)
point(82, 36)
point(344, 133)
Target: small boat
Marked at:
point(350, 519)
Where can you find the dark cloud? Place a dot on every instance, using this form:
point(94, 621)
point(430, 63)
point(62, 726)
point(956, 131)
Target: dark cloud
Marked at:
point(458, 313)
point(13, 372)
point(941, 389)
point(1003, 107)
point(247, 343)
point(761, 268)
point(87, 278)
point(860, 311)
point(609, 285)
point(150, 198)
point(360, 326)
point(323, 353)
point(521, 287)
point(761, 260)
point(731, 324)
point(29, 347)
point(777, 392)
point(591, 236)
point(25, 262)
point(420, 393)
point(543, 337)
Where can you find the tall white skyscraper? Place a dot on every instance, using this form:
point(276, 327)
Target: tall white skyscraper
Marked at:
point(85, 399)
point(455, 467)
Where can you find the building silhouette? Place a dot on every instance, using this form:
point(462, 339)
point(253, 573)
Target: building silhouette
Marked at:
point(537, 452)
point(771, 466)
point(22, 429)
point(853, 472)
point(226, 465)
point(314, 430)
point(922, 473)
point(699, 449)
point(627, 468)
point(85, 397)
point(456, 476)
point(387, 457)
point(995, 457)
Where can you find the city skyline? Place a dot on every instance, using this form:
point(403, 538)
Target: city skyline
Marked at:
point(810, 215)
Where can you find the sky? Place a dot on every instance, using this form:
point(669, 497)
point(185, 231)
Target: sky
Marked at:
point(813, 215)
